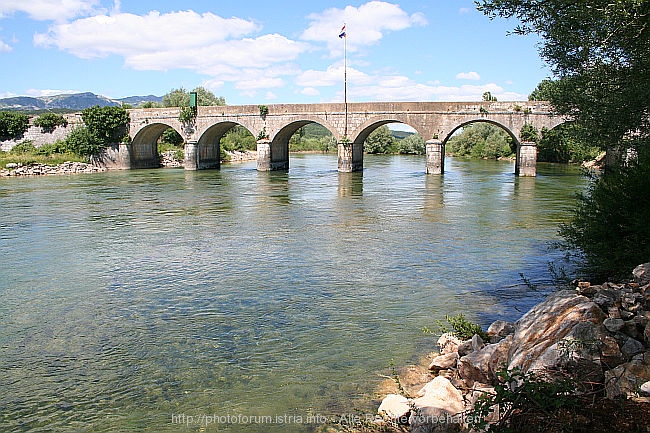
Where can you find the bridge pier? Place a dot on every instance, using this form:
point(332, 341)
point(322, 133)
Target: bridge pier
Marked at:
point(435, 157)
point(192, 155)
point(198, 157)
point(263, 155)
point(350, 157)
point(526, 163)
point(272, 156)
point(124, 156)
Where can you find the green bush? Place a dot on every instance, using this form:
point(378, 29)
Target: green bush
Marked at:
point(84, 142)
point(461, 327)
point(238, 138)
point(562, 144)
point(13, 125)
point(59, 147)
point(481, 140)
point(172, 137)
point(609, 226)
point(411, 145)
point(519, 395)
point(311, 137)
point(381, 140)
point(22, 148)
point(107, 124)
point(49, 121)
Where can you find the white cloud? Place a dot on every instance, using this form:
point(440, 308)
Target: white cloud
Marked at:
point(393, 87)
point(259, 82)
point(222, 48)
point(468, 76)
point(130, 35)
point(464, 10)
point(49, 10)
point(49, 92)
point(332, 76)
point(213, 84)
point(5, 48)
point(310, 91)
point(365, 25)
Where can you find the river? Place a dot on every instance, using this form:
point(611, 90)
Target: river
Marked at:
point(168, 301)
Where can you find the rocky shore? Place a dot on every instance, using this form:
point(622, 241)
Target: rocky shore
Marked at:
point(598, 335)
point(68, 167)
point(167, 159)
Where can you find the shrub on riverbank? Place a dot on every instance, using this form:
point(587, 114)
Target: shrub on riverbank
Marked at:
point(13, 125)
point(610, 222)
point(25, 153)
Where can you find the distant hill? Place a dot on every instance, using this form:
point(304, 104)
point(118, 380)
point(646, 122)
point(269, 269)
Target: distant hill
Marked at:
point(400, 135)
point(77, 101)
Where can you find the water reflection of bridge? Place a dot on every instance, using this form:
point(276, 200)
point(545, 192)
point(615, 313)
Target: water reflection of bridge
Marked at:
point(434, 121)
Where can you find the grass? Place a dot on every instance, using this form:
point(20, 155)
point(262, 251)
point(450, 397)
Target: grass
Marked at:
point(34, 158)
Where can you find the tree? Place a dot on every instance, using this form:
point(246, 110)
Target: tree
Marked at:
point(238, 138)
point(412, 145)
point(610, 223)
point(181, 98)
point(380, 140)
point(13, 125)
point(487, 96)
point(151, 104)
point(599, 52)
point(170, 136)
point(529, 133)
point(481, 140)
point(543, 91)
point(49, 121)
point(561, 145)
point(84, 142)
point(108, 124)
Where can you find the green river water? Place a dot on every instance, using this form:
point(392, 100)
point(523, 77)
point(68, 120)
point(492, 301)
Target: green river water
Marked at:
point(237, 300)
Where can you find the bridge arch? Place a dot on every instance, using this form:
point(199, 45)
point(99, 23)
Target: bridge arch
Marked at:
point(144, 145)
point(205, 153)
point(365, 129)
point(279, 140)
point(511, 133)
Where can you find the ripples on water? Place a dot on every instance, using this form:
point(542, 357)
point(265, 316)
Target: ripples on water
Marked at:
point(128, 297)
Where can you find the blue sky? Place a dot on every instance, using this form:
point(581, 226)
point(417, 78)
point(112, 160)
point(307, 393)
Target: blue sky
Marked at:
point(262, 51)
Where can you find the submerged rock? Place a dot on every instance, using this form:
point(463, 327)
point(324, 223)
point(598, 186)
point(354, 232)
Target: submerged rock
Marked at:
point(438, 408)
point(395, 407)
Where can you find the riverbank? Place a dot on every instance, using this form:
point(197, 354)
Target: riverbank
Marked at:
point(67, 168)
point(595, 338)
point(167, 160)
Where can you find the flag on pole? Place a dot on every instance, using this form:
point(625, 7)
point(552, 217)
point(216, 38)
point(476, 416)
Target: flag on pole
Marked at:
point(342, 34)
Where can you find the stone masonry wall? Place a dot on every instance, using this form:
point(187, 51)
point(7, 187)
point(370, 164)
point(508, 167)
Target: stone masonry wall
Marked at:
point(40, 138)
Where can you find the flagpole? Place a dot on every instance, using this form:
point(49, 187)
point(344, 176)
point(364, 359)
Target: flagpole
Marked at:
point(345, 78)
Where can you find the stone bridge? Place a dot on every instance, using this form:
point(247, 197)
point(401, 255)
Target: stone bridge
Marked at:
point(434, 121)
